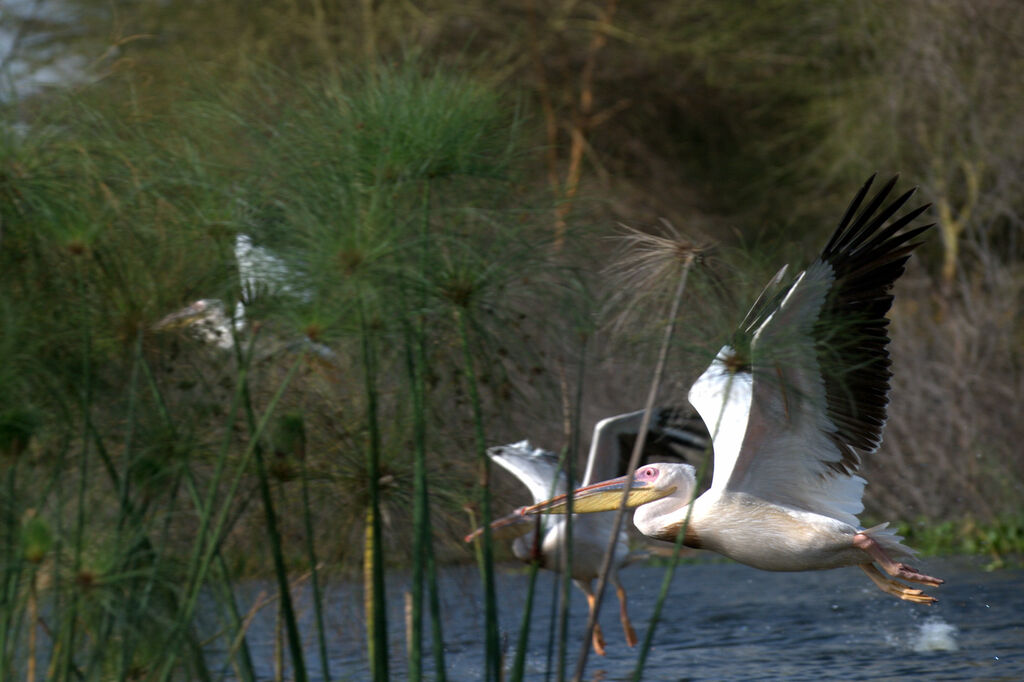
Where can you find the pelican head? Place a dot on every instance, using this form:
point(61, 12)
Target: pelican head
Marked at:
point(521, 448)
point(194, 312)
point(204, 319)
point(650, 483)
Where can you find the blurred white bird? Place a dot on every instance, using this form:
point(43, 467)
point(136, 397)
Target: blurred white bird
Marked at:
point(261, 275)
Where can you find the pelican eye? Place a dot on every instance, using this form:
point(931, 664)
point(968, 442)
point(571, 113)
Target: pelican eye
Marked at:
point(647, 473)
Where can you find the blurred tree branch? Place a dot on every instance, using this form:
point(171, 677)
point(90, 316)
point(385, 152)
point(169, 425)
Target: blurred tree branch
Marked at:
point(582, 119)
point(952, 227)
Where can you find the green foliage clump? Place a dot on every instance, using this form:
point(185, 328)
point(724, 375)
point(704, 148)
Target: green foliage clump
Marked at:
point(1002, 540)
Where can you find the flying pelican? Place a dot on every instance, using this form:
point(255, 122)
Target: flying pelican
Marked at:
point(260, 273)
point(793, 402)
point(540, 472)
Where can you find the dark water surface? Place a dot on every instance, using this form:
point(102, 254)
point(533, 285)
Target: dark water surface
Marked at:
point(721, 621)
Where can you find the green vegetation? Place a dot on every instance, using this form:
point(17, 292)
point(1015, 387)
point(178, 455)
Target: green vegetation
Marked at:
point(441, 180)
point(1002, 542)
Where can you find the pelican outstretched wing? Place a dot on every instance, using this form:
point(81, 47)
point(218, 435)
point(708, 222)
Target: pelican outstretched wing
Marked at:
point(801, 392)
point(673, 433)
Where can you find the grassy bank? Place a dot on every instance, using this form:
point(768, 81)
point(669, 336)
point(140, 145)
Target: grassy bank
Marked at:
point(1002, 541)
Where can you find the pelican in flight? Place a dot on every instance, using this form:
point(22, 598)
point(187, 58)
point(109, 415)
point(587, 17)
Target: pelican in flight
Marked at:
point(540, 472)
point(260, 274)
point(793, 402)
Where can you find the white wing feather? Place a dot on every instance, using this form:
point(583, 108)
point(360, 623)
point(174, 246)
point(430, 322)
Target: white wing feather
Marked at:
point(785, 452)
point(605, 447)
point(536, 468)
point(722, 398)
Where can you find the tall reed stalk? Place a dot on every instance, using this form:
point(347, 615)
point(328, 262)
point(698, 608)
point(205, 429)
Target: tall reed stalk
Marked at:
point(214, 521)
point(492, 652)
point(436, 633)
point(78, 539)
point(11, 570)
point(376, 603)
point(519, 662)
point(685, 263)
point(573, 421)
point(307, 518)
point(274, 537)
point(416, 368)
point(245, 667)
point(666, 582)
point(421, 526)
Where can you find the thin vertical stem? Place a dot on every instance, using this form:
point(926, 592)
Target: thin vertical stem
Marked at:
point(415, 366)
point(33, 624)
point(573, 420)
point(420, 526)
point(185, 472)
point(214, 526)
point(274, 537)
point(437, 636)
point(678, 545)
point(519, 663)
point(634, 460)
point(287, 610)
point(550, 651)
point(318, 612)
point(373, 557)
point(83, 471)
point(492, 654)
point(11, 576)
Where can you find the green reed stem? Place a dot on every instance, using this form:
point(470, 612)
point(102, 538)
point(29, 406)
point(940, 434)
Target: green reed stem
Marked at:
point(205, 510)
point(242, 660)
point(374, 555)
point(519, 663)
point(565, 595)
point(318, 612)
point(246, 670)
point(59, 593)
point(83, 471)
point(415, 366)
point(634, 460)
point(492, 652)
point(570, 474)
point(436, 634)
point(552, 624)
point(518, 666)
point(274, 536)
point(287, 609)
point(421, 528)
point(11, 575)
point(423, 568)
point(214, 526)
point(666, 582)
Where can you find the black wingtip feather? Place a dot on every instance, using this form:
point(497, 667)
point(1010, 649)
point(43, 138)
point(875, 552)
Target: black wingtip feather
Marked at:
point(867, 253)
point(897, 226)
point(862, 225)
point(851, 210)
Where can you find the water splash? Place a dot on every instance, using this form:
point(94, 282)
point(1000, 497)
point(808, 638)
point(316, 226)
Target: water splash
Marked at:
point(934, 634)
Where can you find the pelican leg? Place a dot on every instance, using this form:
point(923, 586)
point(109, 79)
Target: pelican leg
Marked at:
point(893, 568)
point(896, 589)
point(627, 627)
point(598, 639)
